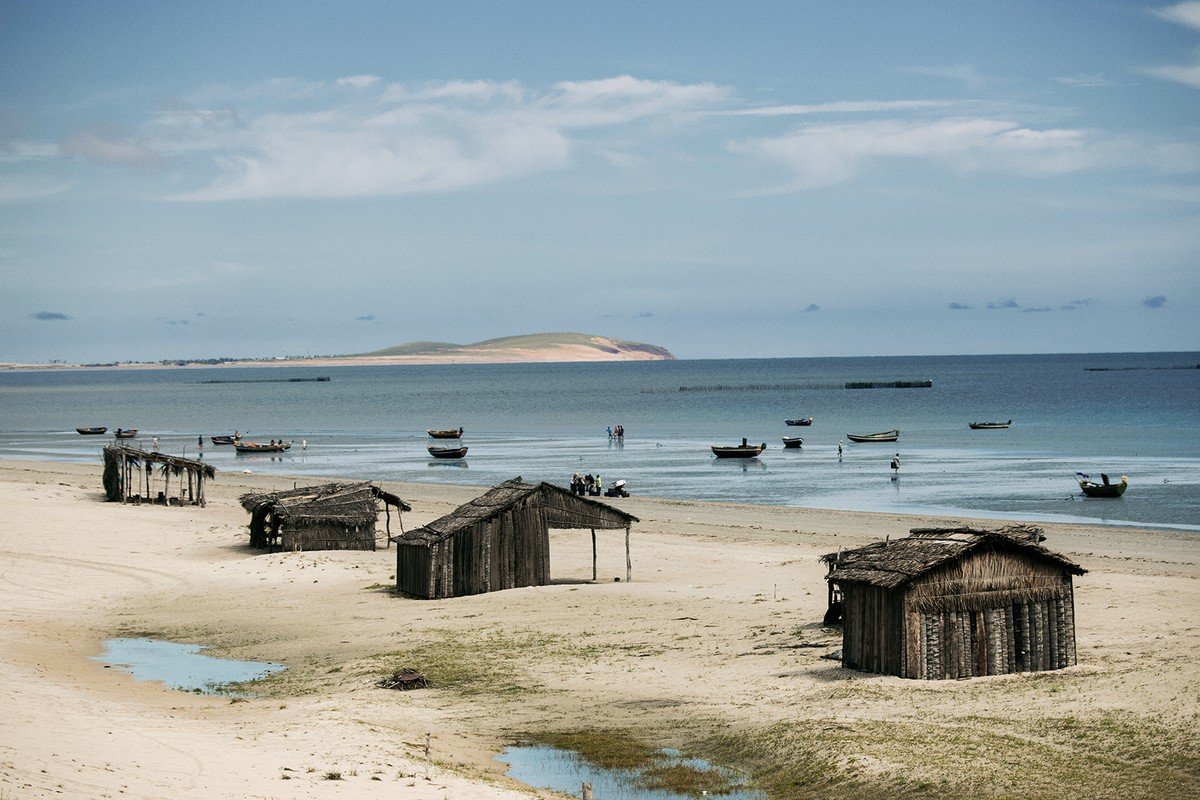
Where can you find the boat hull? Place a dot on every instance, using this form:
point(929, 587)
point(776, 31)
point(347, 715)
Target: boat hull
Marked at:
point(90, 431)
point(1109, 490)
point(254, 447)
point(807, 421)
point(885, 436)
point(129, 434)
point(988, 426)
point(447, 452)
point(455, 434)
point(737, 452)
point(223, 439)
point(792, 442)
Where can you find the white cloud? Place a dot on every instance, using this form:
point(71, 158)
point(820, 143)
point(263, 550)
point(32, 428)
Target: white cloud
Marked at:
point(966, 74)
point(16, 190)
point(108, 146)
point(1188, 75)
point(824, 155)
point(430, 138)
point(358, 81)
point(845, 107)
point(1182, 13)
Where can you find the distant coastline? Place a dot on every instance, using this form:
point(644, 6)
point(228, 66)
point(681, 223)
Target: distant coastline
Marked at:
point(525, 349)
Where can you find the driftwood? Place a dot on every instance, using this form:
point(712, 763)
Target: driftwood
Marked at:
point(404, 680)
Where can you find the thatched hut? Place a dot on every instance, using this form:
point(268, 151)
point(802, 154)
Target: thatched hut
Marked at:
point(955, 603)
point(333, 516)
point(129, 477)
point(500, 540)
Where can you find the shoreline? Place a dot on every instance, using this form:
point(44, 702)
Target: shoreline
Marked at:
point(714, 648)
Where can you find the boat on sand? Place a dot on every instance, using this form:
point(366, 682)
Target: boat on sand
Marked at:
point(1103, 489)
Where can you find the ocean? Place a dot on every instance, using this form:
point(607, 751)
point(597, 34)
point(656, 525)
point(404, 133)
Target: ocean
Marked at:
point(1134, 414)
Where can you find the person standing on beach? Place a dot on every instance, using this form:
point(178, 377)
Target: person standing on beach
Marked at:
point(839, 449)
point(896, 465)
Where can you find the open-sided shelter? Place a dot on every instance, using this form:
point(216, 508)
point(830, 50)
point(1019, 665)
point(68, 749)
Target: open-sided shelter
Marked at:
point(333, 516)
point(500, 540)
point(129, 476)
point(956, 603)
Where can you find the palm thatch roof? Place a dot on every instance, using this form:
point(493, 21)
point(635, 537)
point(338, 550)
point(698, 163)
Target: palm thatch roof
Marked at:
point(346, 503)
point(176, 464)
point(891, 564)
point(563, 510)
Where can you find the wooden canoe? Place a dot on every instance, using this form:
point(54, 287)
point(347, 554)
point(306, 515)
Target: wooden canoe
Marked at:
point(988, 426)
point(90, 431)
point(1104, 489)
point(448, 434)
point(793, 442)
point(223, 439)
point(805, 421)
point(883, 436)
point(125, 433)
point(447, 452)
point(738, 451)
point(259, 447)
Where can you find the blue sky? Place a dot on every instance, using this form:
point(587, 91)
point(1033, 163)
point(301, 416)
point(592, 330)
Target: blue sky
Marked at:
point(723, 179)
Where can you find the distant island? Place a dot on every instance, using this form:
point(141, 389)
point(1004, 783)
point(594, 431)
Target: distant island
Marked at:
point(528, 348)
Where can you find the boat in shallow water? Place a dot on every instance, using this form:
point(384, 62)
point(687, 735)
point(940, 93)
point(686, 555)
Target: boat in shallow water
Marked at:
point(988, 426)
point(742, 450)
point(882, 436)
point(90, 431)
point(793, 442)
point(259, 447)
point(446, 434)
point(447, 452)
point(125, 433)
point(804, 421)
point(1103, 489)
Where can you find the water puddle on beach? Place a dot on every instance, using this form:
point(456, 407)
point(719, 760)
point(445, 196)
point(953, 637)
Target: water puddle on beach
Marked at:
point(547, 767)
point(181, 666)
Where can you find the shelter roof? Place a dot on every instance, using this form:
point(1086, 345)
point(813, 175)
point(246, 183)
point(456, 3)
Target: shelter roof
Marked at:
point(349, 503)
point(563, 510)
point(890, 564)
point(176, 464)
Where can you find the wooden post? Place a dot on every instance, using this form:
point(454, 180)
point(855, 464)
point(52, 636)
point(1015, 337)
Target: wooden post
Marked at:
point(593, 554)
point(628, 560)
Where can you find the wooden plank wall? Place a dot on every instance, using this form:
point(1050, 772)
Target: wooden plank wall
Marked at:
point(1021, 637)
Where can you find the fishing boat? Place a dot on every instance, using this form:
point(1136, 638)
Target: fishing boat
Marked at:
point(988, 426)
point(449, 434)
point(1103, 489)
point(806, 421)
point(224, 439)
point(742, 450)
point(447, 452)
point(125, 433)
point(792, 442)
point(259, 447)
point(90, 431)
point(883, 436)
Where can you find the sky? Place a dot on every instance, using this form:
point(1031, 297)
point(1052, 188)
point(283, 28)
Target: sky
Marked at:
point(727, 180)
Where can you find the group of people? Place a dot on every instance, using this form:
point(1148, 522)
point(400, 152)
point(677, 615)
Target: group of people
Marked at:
point(586, 484)
point(616, 432)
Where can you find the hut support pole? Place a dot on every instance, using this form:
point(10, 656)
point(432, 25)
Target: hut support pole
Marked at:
point(628, 560)
point(593, 554)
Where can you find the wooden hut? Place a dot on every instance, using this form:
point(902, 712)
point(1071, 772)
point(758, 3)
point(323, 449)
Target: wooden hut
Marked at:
point(333, 516)
point(955, 603)
point(129, 477)
point(500, 540)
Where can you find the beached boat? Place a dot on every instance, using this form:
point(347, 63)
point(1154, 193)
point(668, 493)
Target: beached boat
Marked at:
point(988, 426)
point(1103, 489)
point(259, 447)
point(447, 452)
point(449, 434)
point(90, 431)
point(742, 450)
point(805, 421)
point(224, 439)
point(793, 442)
point(125, 433)
point(883, 436)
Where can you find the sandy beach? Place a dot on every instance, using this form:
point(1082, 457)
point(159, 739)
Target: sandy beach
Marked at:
point(714, 648)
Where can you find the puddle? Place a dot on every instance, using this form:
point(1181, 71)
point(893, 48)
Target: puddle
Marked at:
point(547, 767)
point(181, 666)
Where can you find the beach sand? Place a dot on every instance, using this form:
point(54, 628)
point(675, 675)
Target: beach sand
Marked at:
point(714, 648)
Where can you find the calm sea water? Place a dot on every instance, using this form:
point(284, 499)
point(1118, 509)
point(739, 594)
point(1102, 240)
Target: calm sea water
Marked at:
point(1122, 414)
